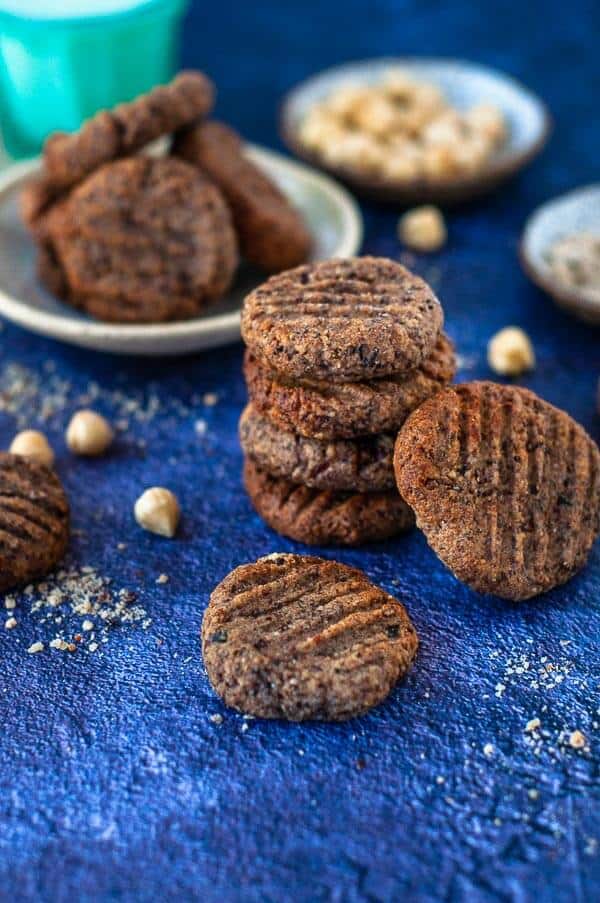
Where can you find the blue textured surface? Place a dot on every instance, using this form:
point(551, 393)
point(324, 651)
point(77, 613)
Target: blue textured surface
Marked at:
point(115, 783)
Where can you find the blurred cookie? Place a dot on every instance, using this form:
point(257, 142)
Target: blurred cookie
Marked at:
point(354, 465)
point(69, 158)
point(342, 320)
point(34, 520)
point(271, 232)
point(329, 411)
point(299, 638)
point(505, 487)
point(319, 517)
point(144, 240)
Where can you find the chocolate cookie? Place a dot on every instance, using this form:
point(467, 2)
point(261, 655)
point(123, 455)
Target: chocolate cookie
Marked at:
point(300, 638)
point(342, 320)
point(129, 127)
point(319, 517)
point(329, 411)
point(34, 520)
point(355, 465)
point(144, 240)
point(505, 487)
point(272, 234)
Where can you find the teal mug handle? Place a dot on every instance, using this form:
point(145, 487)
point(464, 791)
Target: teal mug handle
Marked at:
point(56, 73)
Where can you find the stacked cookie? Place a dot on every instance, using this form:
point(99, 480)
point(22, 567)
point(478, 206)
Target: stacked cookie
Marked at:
point(145, 239)
point(339, 353)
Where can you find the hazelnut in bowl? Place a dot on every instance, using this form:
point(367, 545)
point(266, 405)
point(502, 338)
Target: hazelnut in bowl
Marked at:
point(415, 130)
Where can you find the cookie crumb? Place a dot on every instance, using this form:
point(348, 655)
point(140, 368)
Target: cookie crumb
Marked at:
point(216, 719)
point(488, 750)
point(533, 725)
point(510, 352)
point(163, 578)
point(10, 623)
point(36, 647)
point(577, 740)
point(87, 625)
point(210, 399)
point(423, 229)
point(533, 794)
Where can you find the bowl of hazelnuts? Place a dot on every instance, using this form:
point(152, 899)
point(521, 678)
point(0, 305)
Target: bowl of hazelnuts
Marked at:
point(415, 130)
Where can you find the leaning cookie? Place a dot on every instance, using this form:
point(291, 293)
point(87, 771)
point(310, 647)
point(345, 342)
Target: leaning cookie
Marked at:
point(319, 517)
point(144, 240)
point(351, 465)
point(505, 487)
point(69, 158)
point(272, 233)
point(297, 637)
point(327, 411)
point(34, 520)
point(342, 321)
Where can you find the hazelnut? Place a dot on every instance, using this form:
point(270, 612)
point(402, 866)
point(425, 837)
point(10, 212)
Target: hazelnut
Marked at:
point(88, 433)
point(423, 229)
point(157, 510)
point(33, 444)
point(510, 352)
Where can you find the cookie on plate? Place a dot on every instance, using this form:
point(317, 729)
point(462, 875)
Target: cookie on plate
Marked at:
point(505, 486)
point(321, 517)
point(354, 465)
point(144, 240)
point(34, 520)
point(342, 320)
point(69, 158)
point(329, 411)
point(272, 233)
point(297, 637)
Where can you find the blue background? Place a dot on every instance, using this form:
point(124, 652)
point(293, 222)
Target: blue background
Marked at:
point(115, 783)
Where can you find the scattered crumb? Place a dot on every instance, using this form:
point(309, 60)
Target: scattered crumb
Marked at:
point(488, 749)
point(210, 399)
point(87, 625)
point(533, 725)
point(163, 578)
point(122, 546)
point(577, 740)
point(36, 647)
point(10, 623)
point(200, 427)
point(10, 602)
point(533, 794)
point(216, 719)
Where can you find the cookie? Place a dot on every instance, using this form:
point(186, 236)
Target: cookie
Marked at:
point(354, 465)
point(505, 487)
point(319, 517)
point(34, 520)
point(342, 320)
point(69, 158)
point(329, 411)
point(36, 196)
point(298, 637)
point(272, 233)
point(144, 240)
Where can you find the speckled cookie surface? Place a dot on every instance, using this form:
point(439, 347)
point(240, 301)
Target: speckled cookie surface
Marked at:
point(354, 465)
point(144, 240)
point(505, 487)
point(34, 520)
point(69, 158)
point(272, 234)
point(320, 517)
point(298, 637)
point(327, 411)
point(342, 320)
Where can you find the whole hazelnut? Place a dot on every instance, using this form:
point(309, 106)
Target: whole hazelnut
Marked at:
point(89, 433)
point(32, 444)
point(510, 352)
point(157, 510)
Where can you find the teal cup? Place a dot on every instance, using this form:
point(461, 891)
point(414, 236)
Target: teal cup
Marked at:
point(59, 65)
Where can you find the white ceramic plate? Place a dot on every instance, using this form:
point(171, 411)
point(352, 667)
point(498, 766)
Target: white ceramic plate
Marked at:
point(464, 84)
point(577, 211)
point(332, 216)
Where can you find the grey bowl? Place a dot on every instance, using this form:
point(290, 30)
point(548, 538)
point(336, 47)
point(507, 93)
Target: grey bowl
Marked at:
point(464, 84)
point(577, 211)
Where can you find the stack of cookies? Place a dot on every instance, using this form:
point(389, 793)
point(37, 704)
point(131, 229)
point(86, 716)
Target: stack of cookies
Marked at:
point(339, 353)
point(132, 238)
